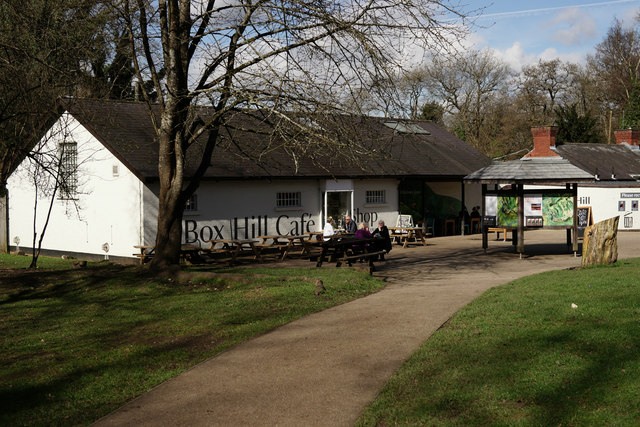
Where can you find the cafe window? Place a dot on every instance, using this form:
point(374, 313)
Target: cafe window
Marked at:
point(192, 204)
point(68, 155)
point(376, 197)
point(290, 199)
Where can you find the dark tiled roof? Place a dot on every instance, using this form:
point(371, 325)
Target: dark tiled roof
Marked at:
point(603, 160)
point(543, 170)
point(252, 145)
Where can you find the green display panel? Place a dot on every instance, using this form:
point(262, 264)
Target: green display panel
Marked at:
point(557, 210)
point(507, 211)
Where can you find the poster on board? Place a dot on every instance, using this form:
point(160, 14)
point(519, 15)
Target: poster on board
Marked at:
point(533, 211)
point(533, 205)
point(490, 210)
point(507, 211)
point(557, 209)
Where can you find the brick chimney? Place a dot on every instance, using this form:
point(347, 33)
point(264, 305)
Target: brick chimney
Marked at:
point(544, 142)
point(627, 136)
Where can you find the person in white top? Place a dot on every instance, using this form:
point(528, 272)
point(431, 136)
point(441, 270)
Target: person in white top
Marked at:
point(328, 229)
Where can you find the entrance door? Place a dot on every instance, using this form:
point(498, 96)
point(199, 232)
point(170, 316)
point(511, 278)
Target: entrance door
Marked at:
point(338, 200)
point(337, 205)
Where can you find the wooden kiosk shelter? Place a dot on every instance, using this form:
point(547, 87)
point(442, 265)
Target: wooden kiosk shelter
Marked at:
point(549, 201)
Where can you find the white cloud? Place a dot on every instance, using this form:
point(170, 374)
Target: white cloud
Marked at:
point(573, 26)
point(515, 56)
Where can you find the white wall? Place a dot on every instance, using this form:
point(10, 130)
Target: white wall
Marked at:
point(246, 209)
point(608, 202)
point(372, 213)
point(106, 209)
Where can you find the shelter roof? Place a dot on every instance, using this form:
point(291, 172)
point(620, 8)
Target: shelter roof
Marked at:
point(257, 144)
point(544, 171)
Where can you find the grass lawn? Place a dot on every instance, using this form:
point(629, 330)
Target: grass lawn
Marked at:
point(78, 343)
point(559, 348)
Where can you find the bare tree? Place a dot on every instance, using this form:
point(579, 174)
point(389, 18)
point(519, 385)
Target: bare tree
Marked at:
point(280, 57)
point(46, 49)
point(616, 62)
point(545, 85)
point(52, 169)
point(399, 95)
point(468, 84)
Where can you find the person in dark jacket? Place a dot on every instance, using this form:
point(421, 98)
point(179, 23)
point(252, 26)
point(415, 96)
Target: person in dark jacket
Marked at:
point(349, 225)
point(383, 238)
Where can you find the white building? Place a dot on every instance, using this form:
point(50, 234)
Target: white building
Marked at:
point(108, 158)
point(615, 190)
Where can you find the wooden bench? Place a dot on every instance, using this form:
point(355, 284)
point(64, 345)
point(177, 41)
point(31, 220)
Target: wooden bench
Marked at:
point(312, 247)
point(144, 258)
point(346, 250)
point(145, 254)
point(499, 230)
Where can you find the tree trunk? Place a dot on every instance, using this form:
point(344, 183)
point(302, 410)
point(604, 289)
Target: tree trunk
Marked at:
point(600, 244)
point(4, 222)
point(172, 198)
point(168, 242)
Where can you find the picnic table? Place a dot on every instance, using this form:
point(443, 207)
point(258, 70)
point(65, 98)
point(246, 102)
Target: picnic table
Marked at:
point(499, 230)
point(349, 249)
point(145, 253)
point(406, 236)
point(233, 248)
point(286, 243)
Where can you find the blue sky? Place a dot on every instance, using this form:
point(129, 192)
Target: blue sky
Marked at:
point(524, 31)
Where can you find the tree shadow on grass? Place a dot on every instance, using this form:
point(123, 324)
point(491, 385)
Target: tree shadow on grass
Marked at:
point(59, 364)
point(20, 285)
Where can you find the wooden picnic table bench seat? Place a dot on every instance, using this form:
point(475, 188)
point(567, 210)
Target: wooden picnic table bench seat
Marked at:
point(145, 254)
point(347, 250)
point(499, 230)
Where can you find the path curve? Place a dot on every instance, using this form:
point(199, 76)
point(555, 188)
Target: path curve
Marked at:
point(325, 368)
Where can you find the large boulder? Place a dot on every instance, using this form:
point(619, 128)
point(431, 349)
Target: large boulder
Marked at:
point(600, 244)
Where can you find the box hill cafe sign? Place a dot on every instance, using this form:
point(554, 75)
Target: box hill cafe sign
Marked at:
point(250, 227)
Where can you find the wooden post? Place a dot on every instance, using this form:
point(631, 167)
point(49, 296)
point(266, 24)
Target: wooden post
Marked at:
point(574, 228)
point(520, 241)
point(483, 226)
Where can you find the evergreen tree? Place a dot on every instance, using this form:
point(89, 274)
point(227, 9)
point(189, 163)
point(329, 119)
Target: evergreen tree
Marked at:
point(432, 111)
point(631, 117)
point(573, 127)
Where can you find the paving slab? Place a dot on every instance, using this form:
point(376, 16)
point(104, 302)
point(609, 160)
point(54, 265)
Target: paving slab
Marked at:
point(323, 369)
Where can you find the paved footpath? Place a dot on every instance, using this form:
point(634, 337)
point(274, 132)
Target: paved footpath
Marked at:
point(324, 369)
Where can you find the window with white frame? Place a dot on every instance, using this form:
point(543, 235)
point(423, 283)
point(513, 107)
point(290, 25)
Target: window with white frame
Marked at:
point(68, 170)
point(289, 199)
point(192, 204)
point(376, 197)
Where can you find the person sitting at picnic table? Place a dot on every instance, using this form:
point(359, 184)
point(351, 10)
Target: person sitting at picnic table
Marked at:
point(475, 212)
point(349, 225)
point(382, 238)
point(328, 230)
point(361, 233)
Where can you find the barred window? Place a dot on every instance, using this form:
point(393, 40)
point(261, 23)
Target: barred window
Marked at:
point(291, 199)
point(376, 197)
point(68, 152)
point(192, 204)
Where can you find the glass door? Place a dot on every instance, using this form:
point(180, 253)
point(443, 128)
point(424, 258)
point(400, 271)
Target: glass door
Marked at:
point(337, 204)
